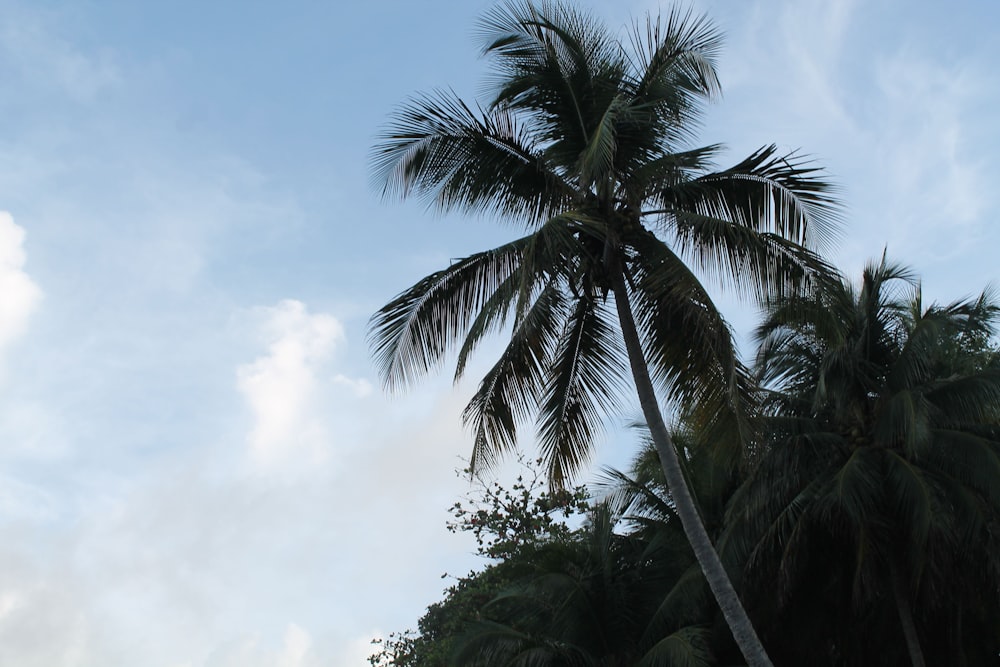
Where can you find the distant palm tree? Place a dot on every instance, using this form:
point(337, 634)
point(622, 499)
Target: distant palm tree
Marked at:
point(875, 512)
point(583, 144)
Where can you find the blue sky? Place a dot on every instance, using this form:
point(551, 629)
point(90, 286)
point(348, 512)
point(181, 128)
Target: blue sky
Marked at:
point(198, 467)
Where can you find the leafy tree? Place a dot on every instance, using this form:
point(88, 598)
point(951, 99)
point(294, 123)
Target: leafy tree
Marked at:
point(875, 512)
point(511, 526)
point(507, 522)
point(584, 143)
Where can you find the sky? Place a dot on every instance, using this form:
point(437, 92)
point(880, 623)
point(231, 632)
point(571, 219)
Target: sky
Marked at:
point(198, 466)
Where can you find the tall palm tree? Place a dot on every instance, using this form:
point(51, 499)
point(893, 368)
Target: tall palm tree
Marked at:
point(876, 508)
point(584, 143)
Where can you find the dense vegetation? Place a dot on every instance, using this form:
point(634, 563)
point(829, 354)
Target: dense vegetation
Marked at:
point(836, 504)
point(865, 530)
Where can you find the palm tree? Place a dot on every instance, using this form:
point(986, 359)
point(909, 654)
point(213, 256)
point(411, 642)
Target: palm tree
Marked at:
point(583, 143)
point(876, 508)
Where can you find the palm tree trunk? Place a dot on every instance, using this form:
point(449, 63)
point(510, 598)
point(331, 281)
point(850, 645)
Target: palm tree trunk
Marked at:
point(906, 620)
point(711, 565)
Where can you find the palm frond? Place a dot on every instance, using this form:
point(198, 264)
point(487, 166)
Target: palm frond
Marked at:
point(440, 149)
point(671, 75)
point(633, 500)
point(972, 399)
point(556, 64)
point(902, 422)
point(767, 192)
point(546, 254)
point(687, 647)
point(411, 334)
point(676, 57)
point(970, 459)
point(919, 353)
point(911, 498)
point(774, 543)
point(491, 644)
point(685, 604)
point(491, 317)
point(658, 170)
point(690, 351)
point(760, 265)
point(510, 390)
point(857, 487)
point(597, 159)
point(585, 383)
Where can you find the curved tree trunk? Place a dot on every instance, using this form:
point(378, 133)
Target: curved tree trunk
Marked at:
point(906, 620)
point(711, 565)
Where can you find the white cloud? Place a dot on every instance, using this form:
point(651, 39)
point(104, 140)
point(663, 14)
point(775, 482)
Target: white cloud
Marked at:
point(240, 570)
point(20, 500)
point(280, 387)
point(287, 391)
point(789, 68)
point(20, 294)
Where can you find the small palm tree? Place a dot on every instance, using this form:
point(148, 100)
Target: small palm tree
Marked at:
point(583, 143)
point(876, 508)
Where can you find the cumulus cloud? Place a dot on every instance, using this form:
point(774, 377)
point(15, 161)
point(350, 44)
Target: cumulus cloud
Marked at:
point(280, 386)
point(296, 647)
point(20, 294)
point(286, 388)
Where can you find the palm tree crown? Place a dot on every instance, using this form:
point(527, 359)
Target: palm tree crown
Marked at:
point(885, 448)
point(583, 142)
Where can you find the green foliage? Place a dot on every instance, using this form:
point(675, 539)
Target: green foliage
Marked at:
point(621, 586)
point(878, 496)
point(431, 645)
point(508, 522)
point(587, 602)
point(511, 525)
point(624, 589)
